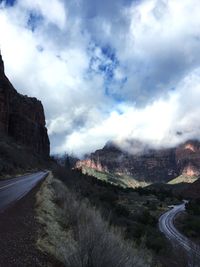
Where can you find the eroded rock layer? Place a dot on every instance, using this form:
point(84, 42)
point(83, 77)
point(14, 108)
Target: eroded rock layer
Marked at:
point(22, 117)
point(151, 166)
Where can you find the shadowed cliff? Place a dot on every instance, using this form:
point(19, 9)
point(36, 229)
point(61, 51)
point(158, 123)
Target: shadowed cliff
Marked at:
point(22, 117)
point(24, 142)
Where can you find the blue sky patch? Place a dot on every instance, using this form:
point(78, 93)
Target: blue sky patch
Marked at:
point(8, 2)
point(109, 52)
point(34, 20)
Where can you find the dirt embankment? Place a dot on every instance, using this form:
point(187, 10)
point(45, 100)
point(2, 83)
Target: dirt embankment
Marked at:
point(19, 231)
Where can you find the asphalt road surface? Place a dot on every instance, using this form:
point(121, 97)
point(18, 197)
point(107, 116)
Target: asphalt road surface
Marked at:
point(166, 225)
point(12, 190)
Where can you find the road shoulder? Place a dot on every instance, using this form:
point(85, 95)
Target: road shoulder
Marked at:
point(19, 232)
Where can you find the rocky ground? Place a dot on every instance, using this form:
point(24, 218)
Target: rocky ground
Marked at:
point(18, 235)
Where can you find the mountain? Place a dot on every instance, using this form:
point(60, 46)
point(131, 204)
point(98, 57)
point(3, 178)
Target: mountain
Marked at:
point(22, 117)
point(24, 142)
point(148, 166)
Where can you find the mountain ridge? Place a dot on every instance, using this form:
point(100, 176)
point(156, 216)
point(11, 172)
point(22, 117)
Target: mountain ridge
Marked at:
point(153, 166)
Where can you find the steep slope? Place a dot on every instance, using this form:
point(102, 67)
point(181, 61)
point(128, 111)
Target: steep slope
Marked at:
point(193, 190)
point(183, 179)
point(188, 158)
point(149, 166)
point(22, 117)
point(24, 142)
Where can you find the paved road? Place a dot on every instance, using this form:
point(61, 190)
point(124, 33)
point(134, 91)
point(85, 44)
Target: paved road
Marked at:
point(13, 189)
point(166, 225)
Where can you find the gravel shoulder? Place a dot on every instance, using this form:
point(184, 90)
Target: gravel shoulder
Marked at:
point(19, 232)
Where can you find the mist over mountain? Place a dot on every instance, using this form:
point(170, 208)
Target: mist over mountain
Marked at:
point(143, 163)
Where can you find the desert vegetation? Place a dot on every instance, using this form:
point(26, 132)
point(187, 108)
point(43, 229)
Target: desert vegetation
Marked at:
point(123, 220)
point(115, 179)
point(16, 158)
point(77, 233)
point(134, 211)
point(189, 223)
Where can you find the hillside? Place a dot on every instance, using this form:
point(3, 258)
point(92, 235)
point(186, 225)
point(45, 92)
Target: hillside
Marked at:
point(183, 179)
point(193, 191)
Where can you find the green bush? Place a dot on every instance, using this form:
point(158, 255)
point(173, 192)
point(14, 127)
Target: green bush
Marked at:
point(155, 240)
point(193, 207)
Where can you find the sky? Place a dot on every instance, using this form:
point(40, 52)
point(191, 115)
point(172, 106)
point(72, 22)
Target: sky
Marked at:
point(107, 70)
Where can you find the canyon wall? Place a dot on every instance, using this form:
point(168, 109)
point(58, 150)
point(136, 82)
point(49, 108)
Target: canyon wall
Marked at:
point(151, 166)
point(22, 117)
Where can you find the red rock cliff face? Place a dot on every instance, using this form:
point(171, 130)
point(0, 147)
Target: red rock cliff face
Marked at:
point(22, 117)
point(92, 164)
point(153, 165)
point(188, 158)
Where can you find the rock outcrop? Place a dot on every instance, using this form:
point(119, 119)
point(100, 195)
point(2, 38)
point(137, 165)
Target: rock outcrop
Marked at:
point(150, 166)
point(22, 117)
point(188, 158)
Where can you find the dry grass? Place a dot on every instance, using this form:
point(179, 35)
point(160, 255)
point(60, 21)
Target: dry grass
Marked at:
point(124, 181)
point(54, 235)
point(183, 179)
point(76, 233)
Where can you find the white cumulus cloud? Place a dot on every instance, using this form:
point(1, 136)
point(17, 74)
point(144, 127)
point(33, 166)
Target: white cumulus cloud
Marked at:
point(111, 71)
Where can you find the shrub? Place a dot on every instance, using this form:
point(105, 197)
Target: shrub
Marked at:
point(96, 243)
point(193, 207)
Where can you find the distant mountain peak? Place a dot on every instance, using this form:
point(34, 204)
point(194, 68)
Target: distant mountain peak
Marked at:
point(150, 165)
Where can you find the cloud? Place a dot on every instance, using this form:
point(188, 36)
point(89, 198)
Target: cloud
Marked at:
point(104, 71)
point(164, 123)
point(53, 11)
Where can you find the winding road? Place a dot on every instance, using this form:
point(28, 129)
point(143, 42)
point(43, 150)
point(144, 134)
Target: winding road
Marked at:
point(166, 225)
point(12, 190)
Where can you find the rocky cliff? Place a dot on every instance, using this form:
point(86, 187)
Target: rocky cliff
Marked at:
point(150, 166)
point(22, 117)
point(188, 158)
